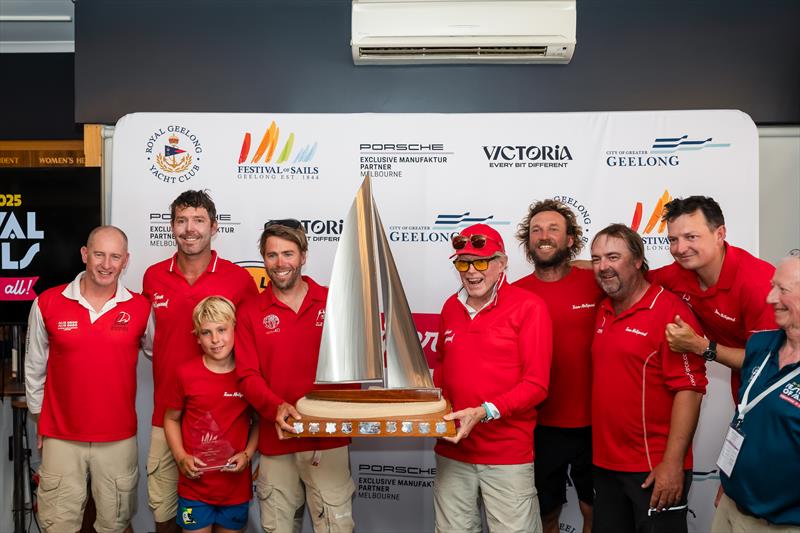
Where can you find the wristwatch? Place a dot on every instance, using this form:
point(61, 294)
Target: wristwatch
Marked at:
point(710, 353)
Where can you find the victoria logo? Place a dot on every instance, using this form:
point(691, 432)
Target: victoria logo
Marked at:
point(174, 154)
point(265, 161)
point(547, 156)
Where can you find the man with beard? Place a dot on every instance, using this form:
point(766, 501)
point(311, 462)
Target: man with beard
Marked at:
point(562, 439)
point(174, 287)
point(277, 346)
point(725, 286)
point(493, 364)
point(645, 397)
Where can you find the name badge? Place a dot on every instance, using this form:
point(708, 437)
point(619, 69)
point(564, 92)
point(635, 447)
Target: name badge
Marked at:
point(730, 451)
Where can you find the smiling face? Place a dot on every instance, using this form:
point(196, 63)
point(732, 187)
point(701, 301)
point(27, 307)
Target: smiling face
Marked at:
point(549, 243)
point(615, 269)
point(193, 229)
point(283, 262)
point(479, 285)
point(784, 296)
point(692, 243)
point(105, 256)
point(216, 339)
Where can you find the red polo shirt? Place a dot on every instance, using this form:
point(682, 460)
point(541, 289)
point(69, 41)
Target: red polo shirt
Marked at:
point(90, 390)
point(173, 299)
point(572, 305)
point(213, 410)
point(734, 308)
point(635, 378)
point(502, 356)
point(276, 361)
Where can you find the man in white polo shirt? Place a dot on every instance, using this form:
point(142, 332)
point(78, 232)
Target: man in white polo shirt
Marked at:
point(80, 382)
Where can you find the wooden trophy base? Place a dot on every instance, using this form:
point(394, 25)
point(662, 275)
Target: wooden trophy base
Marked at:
point(372, 418)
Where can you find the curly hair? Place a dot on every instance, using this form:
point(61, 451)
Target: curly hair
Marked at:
point(574, 229)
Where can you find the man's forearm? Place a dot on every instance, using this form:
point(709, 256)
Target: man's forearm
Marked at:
point(683, 423)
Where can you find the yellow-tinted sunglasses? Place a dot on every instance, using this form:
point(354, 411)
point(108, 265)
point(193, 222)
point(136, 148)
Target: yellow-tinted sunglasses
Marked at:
point(480, 265)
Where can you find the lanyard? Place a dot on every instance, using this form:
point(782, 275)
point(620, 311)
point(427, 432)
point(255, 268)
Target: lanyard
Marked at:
point(745, 406)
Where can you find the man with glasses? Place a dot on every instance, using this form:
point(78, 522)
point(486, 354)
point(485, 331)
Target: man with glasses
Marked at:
point(645, 397)
point(174, 287)
point(277, 346)
point(551, 237)
point(493, 364)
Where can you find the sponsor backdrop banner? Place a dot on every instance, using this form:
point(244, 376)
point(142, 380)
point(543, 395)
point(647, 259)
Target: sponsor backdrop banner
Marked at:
point(433, 174)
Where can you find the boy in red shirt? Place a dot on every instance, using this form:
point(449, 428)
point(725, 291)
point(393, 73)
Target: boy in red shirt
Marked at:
point(206, 421)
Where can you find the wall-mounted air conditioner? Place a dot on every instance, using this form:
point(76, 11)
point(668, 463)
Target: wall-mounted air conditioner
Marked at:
point(386, 32)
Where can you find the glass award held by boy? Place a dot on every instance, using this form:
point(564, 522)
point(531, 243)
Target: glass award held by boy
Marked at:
point(206, 444)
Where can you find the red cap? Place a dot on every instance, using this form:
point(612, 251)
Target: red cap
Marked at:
point(494, 242)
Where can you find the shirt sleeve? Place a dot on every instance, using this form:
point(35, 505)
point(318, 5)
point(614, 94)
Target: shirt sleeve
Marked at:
point(176, 396)
point(683, 371)
point(37, 351)
point(536, 350)
point(149, 334)
point(248, 369)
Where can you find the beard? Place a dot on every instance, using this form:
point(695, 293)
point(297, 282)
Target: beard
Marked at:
point(284, 284)
point(561, 256)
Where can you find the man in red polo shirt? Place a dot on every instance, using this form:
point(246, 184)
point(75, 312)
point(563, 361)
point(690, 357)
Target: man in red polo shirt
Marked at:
point(80, 383)
point(645, 397)
point(725, 286)
point(493, 364)
point(551, 237)
point(277, 346)
point(174, 287)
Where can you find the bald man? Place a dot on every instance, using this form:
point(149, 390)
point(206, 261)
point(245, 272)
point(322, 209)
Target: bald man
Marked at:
point(80, 383)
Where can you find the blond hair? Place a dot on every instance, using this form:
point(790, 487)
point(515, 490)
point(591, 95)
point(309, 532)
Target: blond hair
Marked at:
point(213, 309)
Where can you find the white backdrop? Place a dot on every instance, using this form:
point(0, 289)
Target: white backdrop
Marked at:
point(432, 174)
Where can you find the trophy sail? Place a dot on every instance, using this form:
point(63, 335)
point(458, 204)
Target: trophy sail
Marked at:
point(406, 367)
point(350, 349)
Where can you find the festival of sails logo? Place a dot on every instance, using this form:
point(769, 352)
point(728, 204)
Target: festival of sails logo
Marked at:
point(256, 161)
point(653, 233)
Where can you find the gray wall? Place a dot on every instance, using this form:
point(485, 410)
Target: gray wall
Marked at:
point(294, 56)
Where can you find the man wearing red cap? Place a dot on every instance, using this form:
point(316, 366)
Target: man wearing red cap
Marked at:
point(493, 364)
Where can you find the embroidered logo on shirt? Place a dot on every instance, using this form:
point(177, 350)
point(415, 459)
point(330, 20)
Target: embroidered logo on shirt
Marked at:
point(582, 306)
point(791, 393)
point(320, 318)
point(232, 395)
point(449, 336)
point(67, 325)
point(158, 301)
point(636, 331)
point(122, 318)
point(724, 316)
point(271, 322)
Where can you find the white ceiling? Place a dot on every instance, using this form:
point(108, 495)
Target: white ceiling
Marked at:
point(40, 26)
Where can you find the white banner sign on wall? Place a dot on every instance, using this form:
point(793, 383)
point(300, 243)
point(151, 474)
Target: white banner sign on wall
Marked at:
point(433, 174)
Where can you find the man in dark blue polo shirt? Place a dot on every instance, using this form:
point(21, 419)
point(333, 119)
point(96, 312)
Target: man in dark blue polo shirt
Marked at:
point(760, 459)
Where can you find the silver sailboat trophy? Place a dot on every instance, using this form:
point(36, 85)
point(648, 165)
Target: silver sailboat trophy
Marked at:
point(405, 402)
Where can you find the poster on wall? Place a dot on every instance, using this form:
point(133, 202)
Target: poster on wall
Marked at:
point(434, 174)
point(45, 216)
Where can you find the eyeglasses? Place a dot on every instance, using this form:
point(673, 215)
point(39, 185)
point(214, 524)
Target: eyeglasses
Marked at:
point(288, 222)
point(480, 265)
point(477, 241)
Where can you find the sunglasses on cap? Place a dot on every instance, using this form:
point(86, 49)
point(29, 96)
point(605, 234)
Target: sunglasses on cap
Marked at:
point(288, 222)
point(477, 241)
point(480, 265)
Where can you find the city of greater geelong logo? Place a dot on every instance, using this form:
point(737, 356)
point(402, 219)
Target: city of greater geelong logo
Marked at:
point(662, 152)
point(387, 160)
point(654, 232)
point(173, 154)
point(443, 228)
point(263, 161)
point(528, 156)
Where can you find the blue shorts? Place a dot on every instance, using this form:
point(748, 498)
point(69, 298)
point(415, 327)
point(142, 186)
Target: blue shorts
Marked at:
point(197, 515)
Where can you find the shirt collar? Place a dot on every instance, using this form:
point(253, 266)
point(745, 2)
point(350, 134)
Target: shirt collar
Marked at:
point(212, 265)
point(315, 293)
point(462, 296)
point(647, 301)
point(73, 292)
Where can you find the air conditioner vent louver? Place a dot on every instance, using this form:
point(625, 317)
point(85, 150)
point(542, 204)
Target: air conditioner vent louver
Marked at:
point(452, 51)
